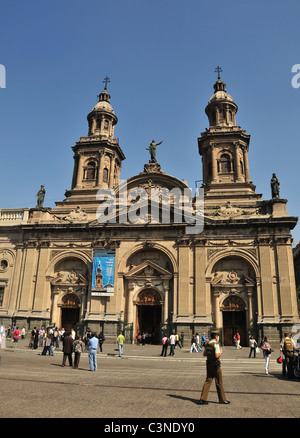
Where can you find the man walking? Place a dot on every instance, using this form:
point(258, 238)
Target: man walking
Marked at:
point(120, 341)
point(67, 348)
point(172, 344)
point(93, 345)
point(213, 353)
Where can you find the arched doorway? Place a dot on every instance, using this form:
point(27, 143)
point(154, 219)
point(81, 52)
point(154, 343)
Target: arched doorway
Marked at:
point(70, 311)
point(149, 309)
point(234, 320)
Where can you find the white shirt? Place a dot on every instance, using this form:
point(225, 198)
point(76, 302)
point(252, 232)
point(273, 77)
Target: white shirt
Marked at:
point(172, 339)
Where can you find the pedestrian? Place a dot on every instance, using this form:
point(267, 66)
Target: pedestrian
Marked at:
point(41, 336)
point(287, 354)
point(266, 347)
point(181, 339)
point(193, 345)
point(23, 333)
point(164, 345)
point(87, 337)
point(238, 340)
point(16, 336)
point(78, 348)
point(198, 347)
point(177, 341)
point(93, 345)
point(55, 338)
point(203, 340)
point(2, 336)
point(120, 342)
point(253, 346)
point(213, 353)
point(73, 334)
point(67, 348)
point(143, 338)
point(34, 338)
point(101, 339)
point(47, 346)
point(172, 344)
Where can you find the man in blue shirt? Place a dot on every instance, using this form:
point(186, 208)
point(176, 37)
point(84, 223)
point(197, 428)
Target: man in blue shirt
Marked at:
point(93, 345)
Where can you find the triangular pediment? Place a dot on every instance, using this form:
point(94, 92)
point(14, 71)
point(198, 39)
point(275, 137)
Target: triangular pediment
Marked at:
point(148, 269)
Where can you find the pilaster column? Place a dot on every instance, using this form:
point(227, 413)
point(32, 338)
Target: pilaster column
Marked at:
point(80, 170)
point(246, 165)
point(237, 162)
point(166, 301)
point(250, 306)
point(130, 288)
point(112, 170)
point(214, 167)
point(100, 168)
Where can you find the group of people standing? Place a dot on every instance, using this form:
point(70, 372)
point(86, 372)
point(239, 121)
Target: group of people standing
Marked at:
point(287, 353)
point(196, 344)
point(172, 341)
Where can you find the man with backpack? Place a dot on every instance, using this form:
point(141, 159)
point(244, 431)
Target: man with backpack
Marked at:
point(287, 351)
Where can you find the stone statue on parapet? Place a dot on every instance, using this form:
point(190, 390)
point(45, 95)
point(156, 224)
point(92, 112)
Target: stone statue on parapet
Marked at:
point(152, 149)
point(40, 197)
point(275, 186)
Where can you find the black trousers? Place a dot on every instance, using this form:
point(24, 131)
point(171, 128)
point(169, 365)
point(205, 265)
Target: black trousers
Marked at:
point(164, 350)
point(69, 356)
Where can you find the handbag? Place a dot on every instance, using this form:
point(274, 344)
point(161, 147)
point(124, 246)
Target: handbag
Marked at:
point(257, 350)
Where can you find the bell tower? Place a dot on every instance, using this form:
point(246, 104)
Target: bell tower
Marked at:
point(97, 157)
point(224, 149)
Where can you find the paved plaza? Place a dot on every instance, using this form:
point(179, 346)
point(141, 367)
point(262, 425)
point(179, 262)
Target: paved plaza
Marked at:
point(141, 385)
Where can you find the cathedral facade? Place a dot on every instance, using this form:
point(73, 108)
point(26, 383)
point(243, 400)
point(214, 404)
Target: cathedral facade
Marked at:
point(127, 256)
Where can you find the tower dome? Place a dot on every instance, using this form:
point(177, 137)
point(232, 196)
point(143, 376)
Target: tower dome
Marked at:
point(221, 108)
point(102, 119)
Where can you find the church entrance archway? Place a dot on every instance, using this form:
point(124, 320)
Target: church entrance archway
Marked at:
point(149, 310)
point(70, 306)
point(234, 320)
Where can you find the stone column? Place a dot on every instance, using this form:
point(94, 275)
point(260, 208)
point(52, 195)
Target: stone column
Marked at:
point(237, 162)
point(112, 170)
point(100, 168)
point(246, 165)
point(130, 289)
point(218, 314)
point(166, 301)
point(214, 164)
point(80, 170)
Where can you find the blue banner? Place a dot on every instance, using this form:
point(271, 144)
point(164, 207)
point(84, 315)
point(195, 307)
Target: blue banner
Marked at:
point(103, 272)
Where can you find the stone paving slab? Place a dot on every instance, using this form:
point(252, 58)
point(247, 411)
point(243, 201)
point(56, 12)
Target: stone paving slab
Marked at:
point(142, 386)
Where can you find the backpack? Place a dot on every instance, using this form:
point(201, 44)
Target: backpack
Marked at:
point(77, 346)
point(288, 348)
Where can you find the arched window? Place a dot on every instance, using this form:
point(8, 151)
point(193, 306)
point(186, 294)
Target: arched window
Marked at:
point(91, 170)
point(105, 174)
point(225, 163)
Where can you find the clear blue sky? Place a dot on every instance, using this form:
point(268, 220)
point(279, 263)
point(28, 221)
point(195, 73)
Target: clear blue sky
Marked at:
point(160, 56)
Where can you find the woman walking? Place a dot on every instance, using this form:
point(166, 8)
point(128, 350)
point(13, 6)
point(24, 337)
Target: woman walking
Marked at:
point(266, 347)
point(252, 345)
